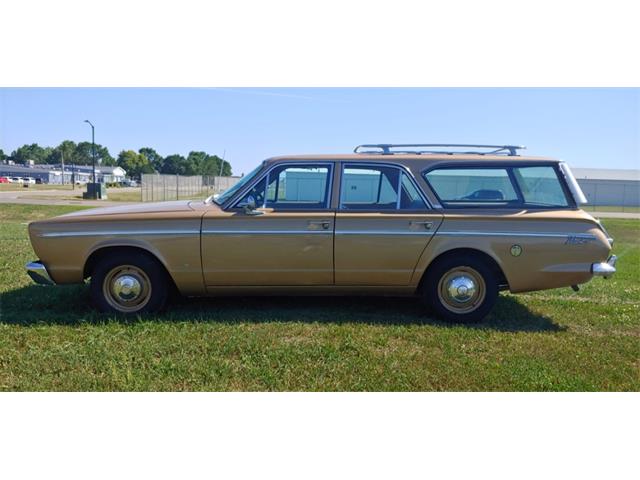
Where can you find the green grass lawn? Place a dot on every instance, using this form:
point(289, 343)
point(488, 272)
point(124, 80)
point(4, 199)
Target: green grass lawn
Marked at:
point(50, 339)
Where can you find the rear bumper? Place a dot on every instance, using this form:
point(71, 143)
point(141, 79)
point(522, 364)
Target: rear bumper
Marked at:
point(605, 269)
point(38, 273)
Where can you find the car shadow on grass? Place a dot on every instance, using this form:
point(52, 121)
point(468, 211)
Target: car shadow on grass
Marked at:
point(69, 305)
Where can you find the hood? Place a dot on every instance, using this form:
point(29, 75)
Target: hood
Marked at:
point(139, 208)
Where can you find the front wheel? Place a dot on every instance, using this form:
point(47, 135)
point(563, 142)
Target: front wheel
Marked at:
point(129, 283)
point(461, 289)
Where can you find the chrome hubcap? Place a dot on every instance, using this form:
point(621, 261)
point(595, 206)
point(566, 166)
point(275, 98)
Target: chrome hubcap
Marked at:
point(461, 289)
point(127, 288)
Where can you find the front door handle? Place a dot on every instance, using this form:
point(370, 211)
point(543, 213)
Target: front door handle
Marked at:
point(324, 224)
point(427, 225)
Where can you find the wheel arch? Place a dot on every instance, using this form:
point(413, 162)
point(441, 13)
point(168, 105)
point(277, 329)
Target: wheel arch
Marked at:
point(503, 283)
point(104, 251)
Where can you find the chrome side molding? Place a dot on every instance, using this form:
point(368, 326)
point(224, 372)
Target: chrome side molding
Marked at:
point(38, 273)
point(605, 269)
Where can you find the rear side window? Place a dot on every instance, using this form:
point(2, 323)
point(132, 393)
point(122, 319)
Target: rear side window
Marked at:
point(473, 186)
point(378, 188)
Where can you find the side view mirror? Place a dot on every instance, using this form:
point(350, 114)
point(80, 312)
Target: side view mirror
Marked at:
point(250, 207)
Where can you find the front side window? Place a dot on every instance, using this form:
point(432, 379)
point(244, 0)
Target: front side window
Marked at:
point(288, 187)
point(298, 187)
point(532, 186)
point(378, 188)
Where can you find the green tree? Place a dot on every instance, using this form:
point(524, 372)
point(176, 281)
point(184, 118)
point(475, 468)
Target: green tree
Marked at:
point(83, 155)
point(154, 157)
point(68, 148)
point(30, 152)
point(201, 163)
point(134, 163)
point(174, 164)
point(196, 162)
point(2, 155)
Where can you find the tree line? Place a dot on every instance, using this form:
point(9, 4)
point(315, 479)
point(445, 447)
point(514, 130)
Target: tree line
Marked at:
point(145, 160)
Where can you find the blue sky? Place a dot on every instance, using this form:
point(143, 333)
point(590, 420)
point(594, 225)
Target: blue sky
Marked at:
point(598, 128)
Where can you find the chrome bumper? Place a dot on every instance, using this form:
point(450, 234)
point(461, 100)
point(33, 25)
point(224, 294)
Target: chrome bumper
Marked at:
point(38, 273)
point(605, 269)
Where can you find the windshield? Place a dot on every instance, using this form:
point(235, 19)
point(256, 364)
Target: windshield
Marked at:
point(230, 192)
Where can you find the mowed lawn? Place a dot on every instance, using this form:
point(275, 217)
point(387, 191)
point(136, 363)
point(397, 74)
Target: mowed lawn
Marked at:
point(50, 339)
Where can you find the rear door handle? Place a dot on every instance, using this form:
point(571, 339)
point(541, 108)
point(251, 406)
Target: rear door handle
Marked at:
point(426, 225)
point(324, 224)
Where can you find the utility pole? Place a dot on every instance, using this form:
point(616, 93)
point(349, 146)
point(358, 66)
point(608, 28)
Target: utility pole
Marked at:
point(93, 148)
point(62, 161)
point(224, 153)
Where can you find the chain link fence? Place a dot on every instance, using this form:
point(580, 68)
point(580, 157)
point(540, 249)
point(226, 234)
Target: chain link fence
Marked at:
point(156, 187)
point(611, 195)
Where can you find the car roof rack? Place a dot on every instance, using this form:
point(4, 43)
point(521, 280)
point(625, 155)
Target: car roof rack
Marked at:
point(419, 149)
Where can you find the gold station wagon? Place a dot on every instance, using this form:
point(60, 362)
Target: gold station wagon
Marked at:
point(449, 226)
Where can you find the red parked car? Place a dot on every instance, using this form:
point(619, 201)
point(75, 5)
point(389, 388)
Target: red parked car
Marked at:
point(4, 180)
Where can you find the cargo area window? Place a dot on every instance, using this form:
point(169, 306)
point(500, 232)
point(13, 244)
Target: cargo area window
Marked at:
point(540, 186)
point(495, 187)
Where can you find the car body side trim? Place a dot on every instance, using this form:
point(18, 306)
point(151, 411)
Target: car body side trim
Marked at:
point(118, 233)
point(585, 236)
point(382, 232)
point(267, 232)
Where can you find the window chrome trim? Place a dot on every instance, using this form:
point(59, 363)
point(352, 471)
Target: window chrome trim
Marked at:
point(265, 175)
point(574, 187)
point(402, 169)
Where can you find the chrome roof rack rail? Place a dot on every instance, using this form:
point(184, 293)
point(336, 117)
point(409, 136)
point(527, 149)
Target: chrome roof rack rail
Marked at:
point(408, 148)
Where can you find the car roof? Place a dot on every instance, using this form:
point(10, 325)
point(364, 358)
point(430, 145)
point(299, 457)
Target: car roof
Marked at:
point(411, 159)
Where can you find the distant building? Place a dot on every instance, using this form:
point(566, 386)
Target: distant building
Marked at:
point(44, 173)
point(609, 187)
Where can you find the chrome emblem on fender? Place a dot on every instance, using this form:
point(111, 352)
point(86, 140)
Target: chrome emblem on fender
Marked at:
point(577, 240)
point(516, 250)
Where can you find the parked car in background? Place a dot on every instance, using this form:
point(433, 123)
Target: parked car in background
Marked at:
point(129, 183)
point(29, 180)
point(15, 179)
point(450, 228)
point(4, 180)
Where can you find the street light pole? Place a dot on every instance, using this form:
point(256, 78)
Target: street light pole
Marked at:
point(93, 148)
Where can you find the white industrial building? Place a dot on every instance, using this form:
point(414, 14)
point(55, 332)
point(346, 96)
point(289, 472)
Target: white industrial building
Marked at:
point(52, 174)
point(609, 187)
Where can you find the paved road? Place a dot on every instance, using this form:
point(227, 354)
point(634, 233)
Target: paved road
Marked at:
point(615, 214)
point(30, 197)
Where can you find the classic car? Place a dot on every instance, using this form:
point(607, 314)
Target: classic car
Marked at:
point(452, 228)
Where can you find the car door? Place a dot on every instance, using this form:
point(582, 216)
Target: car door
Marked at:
point(286, 241)
point(383, 225)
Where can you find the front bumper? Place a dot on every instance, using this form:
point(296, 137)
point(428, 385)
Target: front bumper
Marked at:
point(38, 273)
point(605, 269)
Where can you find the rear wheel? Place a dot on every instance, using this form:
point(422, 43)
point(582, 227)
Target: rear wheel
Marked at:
point(129, 283)
point(461, 289)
